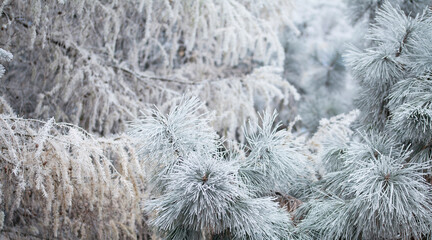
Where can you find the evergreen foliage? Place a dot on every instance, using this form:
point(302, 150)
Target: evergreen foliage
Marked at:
point(314, 62)
point(372, 195)
point(367, 10)
point(274, 158)
point(394, 77)
point(375, 181)
point(201, 192)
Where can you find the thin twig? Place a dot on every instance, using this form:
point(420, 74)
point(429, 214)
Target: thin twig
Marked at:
point(164, 79)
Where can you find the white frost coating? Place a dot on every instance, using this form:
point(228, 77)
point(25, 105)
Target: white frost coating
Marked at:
point(99, 74)
point(62, 165)
point(333, 128)
point(5, 55)
point(198, 190)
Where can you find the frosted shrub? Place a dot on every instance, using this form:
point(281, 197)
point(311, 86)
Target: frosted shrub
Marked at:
point(235, 100)
point(124, 56)
point(58, 181)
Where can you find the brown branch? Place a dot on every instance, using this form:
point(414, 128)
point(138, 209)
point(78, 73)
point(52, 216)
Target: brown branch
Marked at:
point(291, 203)
point(403, 43)
point(142, 76)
